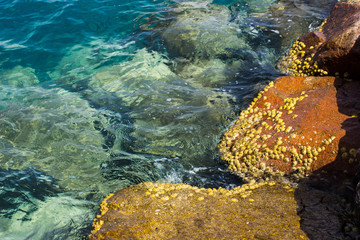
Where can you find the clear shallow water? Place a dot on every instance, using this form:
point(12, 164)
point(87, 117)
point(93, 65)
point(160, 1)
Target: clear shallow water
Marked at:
point(98, 95)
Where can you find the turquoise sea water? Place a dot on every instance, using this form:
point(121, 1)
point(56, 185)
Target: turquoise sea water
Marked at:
point(99, 95)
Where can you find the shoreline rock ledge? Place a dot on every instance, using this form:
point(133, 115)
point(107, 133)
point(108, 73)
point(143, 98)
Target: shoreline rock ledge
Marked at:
point(176, 211)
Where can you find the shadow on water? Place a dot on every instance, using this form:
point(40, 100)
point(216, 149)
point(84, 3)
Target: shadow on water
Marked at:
point(326, 198)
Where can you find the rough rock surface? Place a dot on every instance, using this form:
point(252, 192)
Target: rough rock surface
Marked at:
point(297, 125)
point(325, 209)
point(333, 49)
point(269, 210)
point(179, 211)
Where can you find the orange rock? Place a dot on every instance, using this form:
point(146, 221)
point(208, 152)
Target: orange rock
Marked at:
point(297, 125)
point(340, 51)
point(333, 49)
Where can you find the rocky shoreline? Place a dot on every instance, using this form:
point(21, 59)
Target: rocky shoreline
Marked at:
point(297, 145)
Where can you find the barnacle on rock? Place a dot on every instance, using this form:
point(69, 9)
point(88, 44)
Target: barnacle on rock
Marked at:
point(299, 61)
point(264, 142)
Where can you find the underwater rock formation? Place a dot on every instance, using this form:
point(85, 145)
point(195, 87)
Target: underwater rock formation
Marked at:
point(333, 49)
point(170, 101)
point(207, 73)
point(167, 111)
point(18, 76)
point(126, 80)
point(202, 30)
point(54, 131)
point(214, 40)
point(82, 60)
point(167, 211)
point(297, 125)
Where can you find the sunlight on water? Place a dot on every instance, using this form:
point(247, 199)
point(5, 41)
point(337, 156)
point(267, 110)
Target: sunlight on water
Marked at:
point(99, 95)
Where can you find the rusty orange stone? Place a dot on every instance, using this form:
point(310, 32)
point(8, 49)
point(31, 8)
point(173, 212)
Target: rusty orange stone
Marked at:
point(297, 125)
point(333, 49)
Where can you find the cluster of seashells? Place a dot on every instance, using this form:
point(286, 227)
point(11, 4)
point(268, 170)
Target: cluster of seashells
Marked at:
point(299, 61)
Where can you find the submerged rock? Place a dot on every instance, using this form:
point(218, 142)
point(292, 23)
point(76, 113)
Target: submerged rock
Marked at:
point(258, 6)
point(18, 76)
point(297, 125)
point(207, 73)
point(169, 113)
point(333, 49)
point(53, 131)
point(200, 29)
point(81, 61)
point(131, 79)
point(164, 211)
